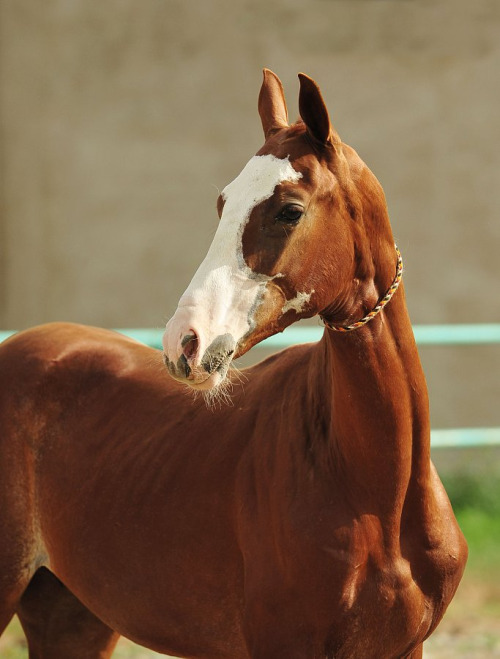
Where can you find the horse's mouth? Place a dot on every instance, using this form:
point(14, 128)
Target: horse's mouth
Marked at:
point(208, 375)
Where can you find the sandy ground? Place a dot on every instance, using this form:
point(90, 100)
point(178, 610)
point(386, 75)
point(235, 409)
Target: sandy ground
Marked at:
point(471, 626)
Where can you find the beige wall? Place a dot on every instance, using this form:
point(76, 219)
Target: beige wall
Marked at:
point(120, 119)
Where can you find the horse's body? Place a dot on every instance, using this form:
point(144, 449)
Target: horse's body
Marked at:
point(303, 521)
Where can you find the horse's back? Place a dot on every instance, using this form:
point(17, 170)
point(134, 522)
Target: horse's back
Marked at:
point(57, 378)
point(27, 357)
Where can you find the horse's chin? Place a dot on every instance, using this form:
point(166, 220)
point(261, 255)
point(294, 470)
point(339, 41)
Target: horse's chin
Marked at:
point(215, 390)
point(213, 381)
point(204, 383)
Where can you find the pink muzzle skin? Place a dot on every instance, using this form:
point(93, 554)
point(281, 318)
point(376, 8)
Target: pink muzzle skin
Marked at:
point(188, 358)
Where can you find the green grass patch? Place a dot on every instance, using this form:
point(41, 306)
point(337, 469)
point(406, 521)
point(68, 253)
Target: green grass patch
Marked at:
point(482, 531)
point(476, 502)
point(469, 491)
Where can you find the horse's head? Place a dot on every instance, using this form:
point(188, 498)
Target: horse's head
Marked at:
point(291, 242)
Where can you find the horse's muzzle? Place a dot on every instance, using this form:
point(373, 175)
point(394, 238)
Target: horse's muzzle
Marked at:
point(206, 371)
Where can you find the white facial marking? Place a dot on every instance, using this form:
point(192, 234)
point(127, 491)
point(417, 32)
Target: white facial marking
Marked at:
point(224, 291)
point(298, 303)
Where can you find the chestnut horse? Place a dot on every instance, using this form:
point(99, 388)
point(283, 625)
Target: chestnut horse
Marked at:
point(305, 520)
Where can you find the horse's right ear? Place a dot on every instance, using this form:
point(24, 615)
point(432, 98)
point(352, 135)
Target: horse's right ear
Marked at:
point(313, 112)
point(272, 105)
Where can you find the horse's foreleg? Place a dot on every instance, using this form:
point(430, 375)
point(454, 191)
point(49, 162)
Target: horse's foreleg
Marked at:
point(7, 611)
point(58, 626)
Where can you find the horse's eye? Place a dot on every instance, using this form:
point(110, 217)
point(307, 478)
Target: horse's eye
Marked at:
point(291, 214)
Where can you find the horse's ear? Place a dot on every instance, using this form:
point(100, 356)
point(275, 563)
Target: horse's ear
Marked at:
point(313, 111)
point(272, 105)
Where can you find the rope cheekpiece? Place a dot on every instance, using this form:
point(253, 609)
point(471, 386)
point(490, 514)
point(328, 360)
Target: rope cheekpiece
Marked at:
point(381, 304)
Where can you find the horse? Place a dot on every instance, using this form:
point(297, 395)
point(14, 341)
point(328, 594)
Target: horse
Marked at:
point(304, 519)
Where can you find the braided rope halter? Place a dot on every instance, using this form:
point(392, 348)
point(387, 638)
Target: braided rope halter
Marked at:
point(380, 305)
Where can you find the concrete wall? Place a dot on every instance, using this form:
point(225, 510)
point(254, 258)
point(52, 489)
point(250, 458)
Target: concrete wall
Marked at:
point(120, 119)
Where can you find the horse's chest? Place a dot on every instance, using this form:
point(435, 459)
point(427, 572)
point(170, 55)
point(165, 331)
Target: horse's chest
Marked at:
point(331, 581)
point(380, 611)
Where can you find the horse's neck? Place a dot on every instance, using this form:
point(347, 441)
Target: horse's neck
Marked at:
point(375, 397)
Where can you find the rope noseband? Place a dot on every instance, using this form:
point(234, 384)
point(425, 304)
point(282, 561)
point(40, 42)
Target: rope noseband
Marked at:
point(381, 304)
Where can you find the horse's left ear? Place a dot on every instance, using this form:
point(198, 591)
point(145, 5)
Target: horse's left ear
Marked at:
point(272, 104)
point(313, 111)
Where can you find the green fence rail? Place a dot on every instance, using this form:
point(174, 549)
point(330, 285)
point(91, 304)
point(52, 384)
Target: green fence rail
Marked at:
point(425, 335)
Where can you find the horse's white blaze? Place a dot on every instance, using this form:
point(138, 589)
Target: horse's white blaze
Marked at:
point(224, 291)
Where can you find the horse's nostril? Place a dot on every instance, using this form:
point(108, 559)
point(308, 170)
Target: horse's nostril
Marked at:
point(183, 365)
point(218, 353)
point(189, 346)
